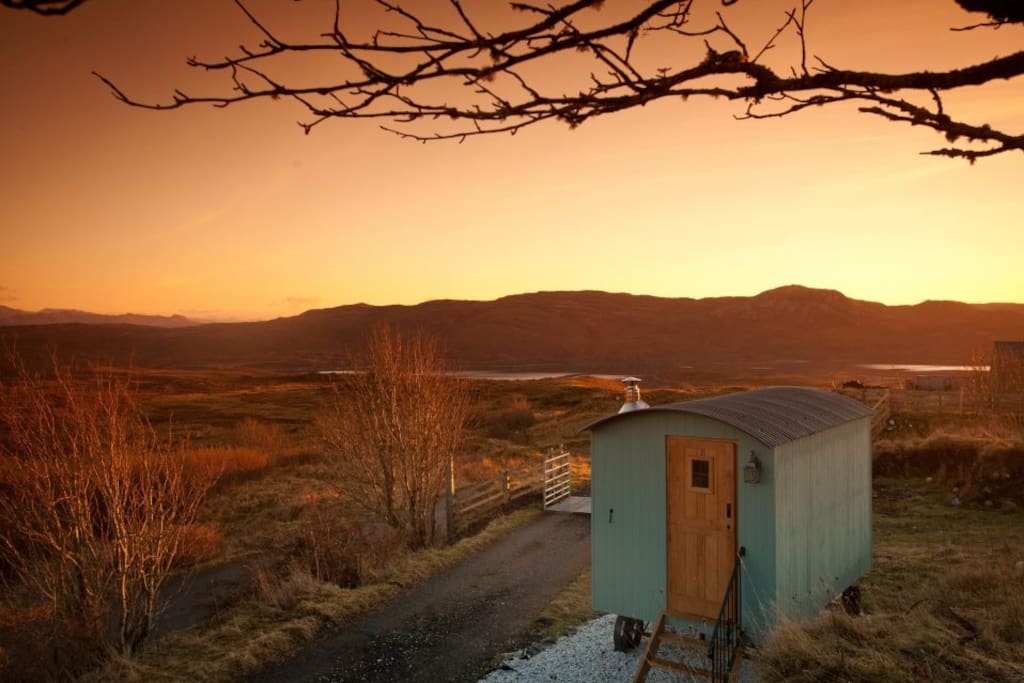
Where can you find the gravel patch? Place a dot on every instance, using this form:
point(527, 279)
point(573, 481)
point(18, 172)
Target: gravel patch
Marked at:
point(587, 656)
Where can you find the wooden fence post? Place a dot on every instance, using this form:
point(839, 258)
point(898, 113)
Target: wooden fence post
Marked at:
point(449, 514)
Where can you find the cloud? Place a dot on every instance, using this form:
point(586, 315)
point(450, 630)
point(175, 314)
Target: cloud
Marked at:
point(7, 294)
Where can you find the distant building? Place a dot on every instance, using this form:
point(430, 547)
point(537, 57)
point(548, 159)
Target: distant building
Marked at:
point(1008, 367)
point(934, 383)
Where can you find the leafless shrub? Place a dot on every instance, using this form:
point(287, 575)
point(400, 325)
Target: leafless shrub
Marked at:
point(94, 513)
point(346, 553)
point(394, 431)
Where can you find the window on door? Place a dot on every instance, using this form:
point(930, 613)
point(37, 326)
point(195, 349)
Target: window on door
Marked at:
point(700, 474)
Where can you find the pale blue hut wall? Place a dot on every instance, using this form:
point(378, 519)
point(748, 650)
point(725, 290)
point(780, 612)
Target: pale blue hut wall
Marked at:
point(822, 516)
point(629, 560)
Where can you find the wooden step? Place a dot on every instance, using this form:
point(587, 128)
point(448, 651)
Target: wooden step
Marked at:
point(685, 641)
point(679, 667)
point(651, 659)
point(652, 648)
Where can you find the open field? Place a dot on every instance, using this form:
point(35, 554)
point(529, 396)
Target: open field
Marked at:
point(278, 513)
point(944, 600)
point(943, 597)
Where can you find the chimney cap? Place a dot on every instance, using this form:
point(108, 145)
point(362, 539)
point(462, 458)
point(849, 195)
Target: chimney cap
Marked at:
point(631, 399)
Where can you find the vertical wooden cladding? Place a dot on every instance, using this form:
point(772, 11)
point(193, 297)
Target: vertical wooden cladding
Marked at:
point(701, 523)
point(823, 516)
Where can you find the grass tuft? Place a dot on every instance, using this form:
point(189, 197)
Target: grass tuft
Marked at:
point(570, 609)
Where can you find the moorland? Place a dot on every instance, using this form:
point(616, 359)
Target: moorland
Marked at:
point(942, 602)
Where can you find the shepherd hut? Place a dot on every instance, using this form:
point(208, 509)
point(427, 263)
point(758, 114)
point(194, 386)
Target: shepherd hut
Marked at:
point(723, 514)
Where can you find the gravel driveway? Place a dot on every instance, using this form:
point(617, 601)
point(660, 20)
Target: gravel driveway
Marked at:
point(587, 656)
point(451, 627)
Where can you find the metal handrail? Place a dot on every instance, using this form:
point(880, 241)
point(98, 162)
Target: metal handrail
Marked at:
point(725, 638)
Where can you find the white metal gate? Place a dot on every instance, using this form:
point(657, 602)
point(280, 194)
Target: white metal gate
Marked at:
point(557, 479)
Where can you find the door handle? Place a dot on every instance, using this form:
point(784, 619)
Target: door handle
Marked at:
point(728, 510)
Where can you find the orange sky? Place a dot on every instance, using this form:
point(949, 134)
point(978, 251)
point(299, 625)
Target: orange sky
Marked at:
point(236, 214)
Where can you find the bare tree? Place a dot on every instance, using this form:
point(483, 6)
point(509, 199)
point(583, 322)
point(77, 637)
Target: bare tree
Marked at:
point(977, 385)
point(94, 510)
point(444, 72)
point(44, 7)
point(394, 430)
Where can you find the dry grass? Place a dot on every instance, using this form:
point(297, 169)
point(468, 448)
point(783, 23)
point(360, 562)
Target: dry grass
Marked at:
point(570, 608)
point(266, 436)
point(284, 612)
point(491, 463)
point(265, 514)
point(201, 543)
point(982, 457)
point(944, 601)
point(227, 460)
point(982, 435)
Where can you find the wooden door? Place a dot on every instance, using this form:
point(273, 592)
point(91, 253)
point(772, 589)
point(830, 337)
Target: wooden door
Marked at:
point(701, 498)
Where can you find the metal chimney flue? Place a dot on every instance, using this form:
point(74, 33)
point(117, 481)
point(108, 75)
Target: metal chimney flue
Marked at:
point(631, 400)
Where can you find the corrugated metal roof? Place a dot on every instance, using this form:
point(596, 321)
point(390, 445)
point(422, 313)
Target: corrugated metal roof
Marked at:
point(773, 415)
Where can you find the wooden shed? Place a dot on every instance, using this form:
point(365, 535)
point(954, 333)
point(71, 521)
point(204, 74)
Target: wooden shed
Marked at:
point(1007, 370)
point(767, 490)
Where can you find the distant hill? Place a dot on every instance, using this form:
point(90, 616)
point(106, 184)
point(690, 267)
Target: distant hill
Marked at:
point(584, 331)
point(58, 316)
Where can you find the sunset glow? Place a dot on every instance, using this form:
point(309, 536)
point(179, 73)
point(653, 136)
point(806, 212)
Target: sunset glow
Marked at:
point(236, 214)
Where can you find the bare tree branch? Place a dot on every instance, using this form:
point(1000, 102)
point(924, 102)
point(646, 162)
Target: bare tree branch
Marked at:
point(44, 7)
point(436, 77)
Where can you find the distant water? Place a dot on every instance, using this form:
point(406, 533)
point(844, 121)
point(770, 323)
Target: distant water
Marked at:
point(490, 374)
point(528, 375)
point(923, 368)
point(520, 376)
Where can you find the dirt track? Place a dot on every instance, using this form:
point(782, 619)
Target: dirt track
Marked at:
point(451, 627)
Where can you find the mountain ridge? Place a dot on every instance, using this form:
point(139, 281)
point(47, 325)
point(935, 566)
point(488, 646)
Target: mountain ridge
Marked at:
point(59, 316)
point(577, 331)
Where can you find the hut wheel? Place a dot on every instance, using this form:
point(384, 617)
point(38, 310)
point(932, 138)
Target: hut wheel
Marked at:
point(628, 632)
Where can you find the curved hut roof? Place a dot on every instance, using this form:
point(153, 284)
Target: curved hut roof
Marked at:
point(773, 415)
